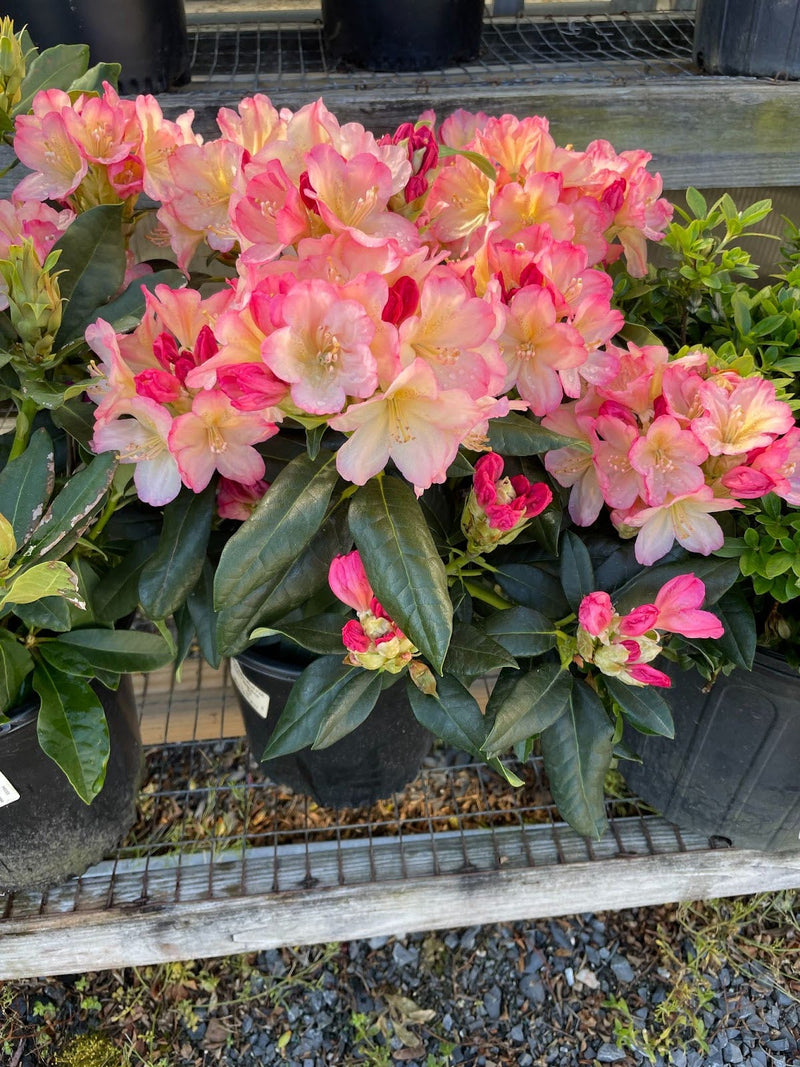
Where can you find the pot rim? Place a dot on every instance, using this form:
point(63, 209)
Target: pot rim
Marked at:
point(19, 717)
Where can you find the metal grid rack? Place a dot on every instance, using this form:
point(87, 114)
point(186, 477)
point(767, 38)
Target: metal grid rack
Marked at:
point(221, 860)
point(262, 52)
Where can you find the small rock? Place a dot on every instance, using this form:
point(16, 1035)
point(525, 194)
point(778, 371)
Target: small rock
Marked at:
point(377, 942)
point(569, 974)
point(532, 989)
point(677, 1058)
point(587, 977)
point(622, 969)
point(404, 957)
point(517, 1034)
point(468, 938)
point(493, 1002)
point(610, 1053)
point(447, 1022)
point(535, 961)
point(732, 1053)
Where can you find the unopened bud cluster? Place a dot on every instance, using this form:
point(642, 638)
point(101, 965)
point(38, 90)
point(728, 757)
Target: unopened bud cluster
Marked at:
point(498, 508)
point(31, 293)
point(12, 66)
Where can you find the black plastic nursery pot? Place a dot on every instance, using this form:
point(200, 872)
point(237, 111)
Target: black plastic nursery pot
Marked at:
point(410, 35)
point(47, 833)
point(733, 768)
point(378, 758)
point(760, 38)
point(148, 37)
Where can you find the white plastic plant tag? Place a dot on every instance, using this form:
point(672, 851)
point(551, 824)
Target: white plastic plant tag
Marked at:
point(8, 793)
point(255, 697)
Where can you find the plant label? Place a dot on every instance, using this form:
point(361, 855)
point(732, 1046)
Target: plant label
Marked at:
point(8, 793)
point(255, 697)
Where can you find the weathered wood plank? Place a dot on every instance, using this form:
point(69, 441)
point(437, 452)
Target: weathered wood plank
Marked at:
point(86, 941)
point(701, 131)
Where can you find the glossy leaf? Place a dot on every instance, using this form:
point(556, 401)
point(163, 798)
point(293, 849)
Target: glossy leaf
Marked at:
point(72, 729)
point(577, 573)
point(16, 664)
point(93, 261)
point(117, 595)
point(92, 80)
point(452, 715)
point(119, 651)
point(522, 631)
point(518, 435)
point(525, 704)
point(351, 707)
point(200, 605)
point(51, 613)
point(472, 654)
point(403, 564)
point(72, 510)
point(320, 634)
point(643, 707)
point(175, 567)
point(738, 642)
point(577, 752)
point(53, 578)
point(54, 68)
point(533, 587)
point(26, 484)
point(267, 544)
point(313, 697)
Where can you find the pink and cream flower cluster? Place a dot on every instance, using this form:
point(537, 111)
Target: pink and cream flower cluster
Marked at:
point(623, 646)
point(403, 290)
point(671, 445)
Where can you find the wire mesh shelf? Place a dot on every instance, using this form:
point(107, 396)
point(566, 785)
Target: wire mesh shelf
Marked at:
point(259, 54)
point(222, 860)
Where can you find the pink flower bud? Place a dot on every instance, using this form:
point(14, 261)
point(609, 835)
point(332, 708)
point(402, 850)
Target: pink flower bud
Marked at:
point(677, 602)
point(158, 385)
point(595, 612)
point(348, 581)
point(746, 483)
point(639, 621)
point(648, 675)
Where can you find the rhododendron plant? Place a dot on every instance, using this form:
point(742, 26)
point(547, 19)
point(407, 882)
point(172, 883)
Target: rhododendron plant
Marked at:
point(375, 399)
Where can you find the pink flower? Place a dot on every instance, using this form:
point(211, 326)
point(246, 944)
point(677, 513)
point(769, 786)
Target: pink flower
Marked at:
point(741, 418)
point(685, 519)
point(677, 602)
point(215, 436)
point(668, 458)
point(639, 621)
point(139, 432)
point(353, 636)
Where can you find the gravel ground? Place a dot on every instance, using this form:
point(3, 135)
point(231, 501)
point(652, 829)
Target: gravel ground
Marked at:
point(707, 985)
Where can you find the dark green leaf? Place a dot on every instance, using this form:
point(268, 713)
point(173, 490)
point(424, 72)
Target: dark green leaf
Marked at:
point(519, 435)
point(93, 263)
point(460, 467)
point(119, 651)
point(305, 578)
point(717, 574)
point(738, 642)
point(77, 418)
point(351, 707)
point(15, 665)
point(313, 696)
point(54, 68)
point(72, 729)
point(72, 510)
point(26, 484)
point(403, 564)
point(320, 634)
point(175, 567)
point(577, 752)
point(453, 715)
point(534, 588)
point(201, 611)
point(522, 631)
point(546, 527)
point(643, 707)
point(117, 595)
point(472, 654)
point(525, 704)
point(577, 573)
point(49, 613)
point(267, 544)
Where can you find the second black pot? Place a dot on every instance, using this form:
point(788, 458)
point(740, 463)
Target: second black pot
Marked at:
point(733, 769)
point(410, 35)
point(48, 834)
point(760, 38)
point(378, 758)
